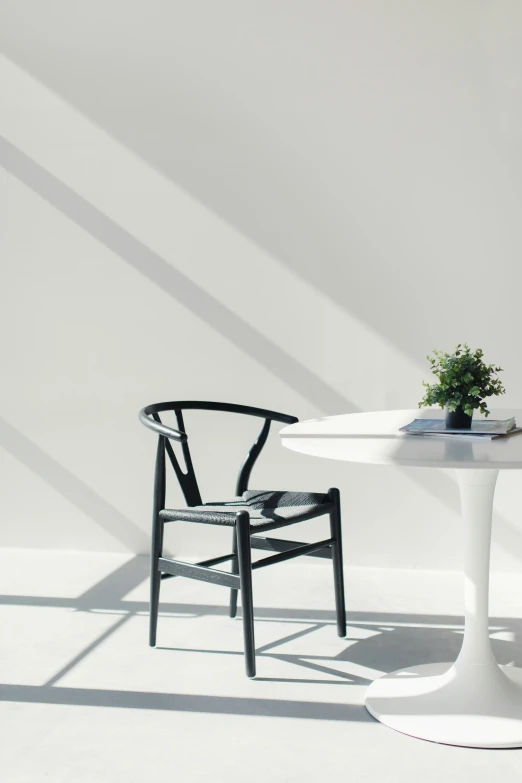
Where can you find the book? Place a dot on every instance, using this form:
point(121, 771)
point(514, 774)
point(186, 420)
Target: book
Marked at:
point(481, 428)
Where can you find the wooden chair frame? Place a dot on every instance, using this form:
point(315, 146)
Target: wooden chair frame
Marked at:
point(243, 540)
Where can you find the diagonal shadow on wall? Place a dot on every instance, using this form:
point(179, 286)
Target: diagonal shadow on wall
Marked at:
point(230, 325)
point(72, 488)
point(170, 280)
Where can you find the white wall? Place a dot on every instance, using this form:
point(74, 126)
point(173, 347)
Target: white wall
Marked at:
point(285, 204)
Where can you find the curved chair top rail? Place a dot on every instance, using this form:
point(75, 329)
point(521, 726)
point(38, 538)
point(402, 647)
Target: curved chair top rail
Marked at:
point(227, 407)
point(149, 416)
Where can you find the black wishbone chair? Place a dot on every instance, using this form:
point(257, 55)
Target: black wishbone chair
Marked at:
point(251, 511)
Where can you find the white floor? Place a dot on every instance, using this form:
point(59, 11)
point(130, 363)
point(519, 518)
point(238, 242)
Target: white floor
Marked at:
point(84, 699)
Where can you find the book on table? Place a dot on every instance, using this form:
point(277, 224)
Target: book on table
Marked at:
point(480, 428)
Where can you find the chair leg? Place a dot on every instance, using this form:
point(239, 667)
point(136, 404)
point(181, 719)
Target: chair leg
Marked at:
point(245, 577)
point(157, 538)
point(337, 560)
point(155, 578)
point(235, 570)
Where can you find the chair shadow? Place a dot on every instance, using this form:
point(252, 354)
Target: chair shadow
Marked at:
point(385, 649)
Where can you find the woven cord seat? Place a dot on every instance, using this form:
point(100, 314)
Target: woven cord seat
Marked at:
point(267, 509)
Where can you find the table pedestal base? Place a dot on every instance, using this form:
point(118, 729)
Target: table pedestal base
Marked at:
point(476, 706)
point(474, 702)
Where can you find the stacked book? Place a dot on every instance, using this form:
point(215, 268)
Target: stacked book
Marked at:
point(481, 428)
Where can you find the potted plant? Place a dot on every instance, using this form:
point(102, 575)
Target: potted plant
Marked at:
point(464, 383)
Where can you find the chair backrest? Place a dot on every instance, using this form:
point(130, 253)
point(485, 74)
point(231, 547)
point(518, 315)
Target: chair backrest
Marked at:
point(149, 416)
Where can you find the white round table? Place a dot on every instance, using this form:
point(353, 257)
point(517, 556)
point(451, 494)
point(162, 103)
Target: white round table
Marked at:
point(472, 702)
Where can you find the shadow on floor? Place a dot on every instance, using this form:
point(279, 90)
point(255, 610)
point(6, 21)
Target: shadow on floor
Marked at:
point(376, 642)
point(138, 700)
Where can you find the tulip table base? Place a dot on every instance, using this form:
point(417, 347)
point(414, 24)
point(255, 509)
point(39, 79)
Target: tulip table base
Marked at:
point(473, 702)
point(444, 703)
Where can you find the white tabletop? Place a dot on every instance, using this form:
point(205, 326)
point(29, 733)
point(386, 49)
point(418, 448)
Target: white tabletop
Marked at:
point(375, 438)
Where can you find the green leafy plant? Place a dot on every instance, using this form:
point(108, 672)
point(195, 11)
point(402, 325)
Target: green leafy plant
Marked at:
point(464, 381)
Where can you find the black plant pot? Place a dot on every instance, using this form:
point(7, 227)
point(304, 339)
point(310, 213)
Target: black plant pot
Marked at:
point(458, 420)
